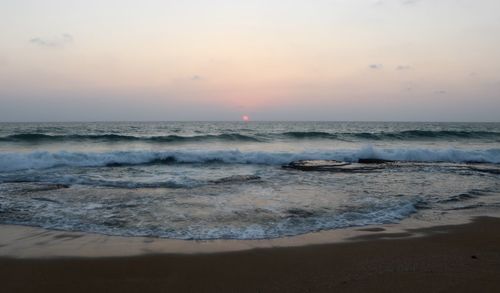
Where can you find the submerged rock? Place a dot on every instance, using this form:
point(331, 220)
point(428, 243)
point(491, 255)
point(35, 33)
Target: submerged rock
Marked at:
point(316, 165)
point(374, 161)
point(39, 187)
point(486, 169)
point(330, 165)
point(236, 178)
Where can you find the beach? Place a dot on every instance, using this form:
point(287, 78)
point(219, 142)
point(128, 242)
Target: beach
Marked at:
point(454, 258)
point(249, 207)
point(249, 146)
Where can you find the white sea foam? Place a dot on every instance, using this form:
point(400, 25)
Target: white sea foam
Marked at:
point(43, 159)
point(133, 217)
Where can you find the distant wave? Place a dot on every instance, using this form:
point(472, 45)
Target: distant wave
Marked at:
point(397, 135)
point(39, 137)
point(258, 137)
point(43, 160)
point(309, 135)
point(422, 134)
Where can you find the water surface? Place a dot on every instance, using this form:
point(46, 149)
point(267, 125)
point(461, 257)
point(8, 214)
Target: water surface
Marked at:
point(213, 180)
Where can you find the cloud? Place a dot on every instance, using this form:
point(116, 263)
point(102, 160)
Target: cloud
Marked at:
point(196, 78)
point(410, 2)
point(403, 67)
point(440, 92)
point(403, 2)
point(59, 41)
point(376, 66)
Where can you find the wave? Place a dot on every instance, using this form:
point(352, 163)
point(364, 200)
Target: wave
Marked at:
point(133, 216)
point(420, 134)
point(54, 182)
point(397, 135)
point(309, 134)
point(44, 160)
point(257, 137)
point(40, 137)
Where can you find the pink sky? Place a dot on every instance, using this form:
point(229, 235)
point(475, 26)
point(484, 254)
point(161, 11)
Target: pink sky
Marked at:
point(218, 60)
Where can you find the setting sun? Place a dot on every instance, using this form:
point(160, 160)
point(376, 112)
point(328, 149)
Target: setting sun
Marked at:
point(358, 120)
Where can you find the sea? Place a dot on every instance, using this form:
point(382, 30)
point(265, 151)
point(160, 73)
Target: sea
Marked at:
point(226, 180)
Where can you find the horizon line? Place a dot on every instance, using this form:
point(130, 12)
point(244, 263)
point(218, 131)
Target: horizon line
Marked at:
point(250, 121)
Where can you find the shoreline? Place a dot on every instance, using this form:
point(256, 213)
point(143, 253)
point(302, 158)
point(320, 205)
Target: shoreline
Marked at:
point(452, 258)
point(18, 241)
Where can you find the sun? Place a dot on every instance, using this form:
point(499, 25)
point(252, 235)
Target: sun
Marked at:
point(245, 118)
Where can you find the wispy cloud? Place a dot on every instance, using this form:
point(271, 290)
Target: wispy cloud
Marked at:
point(403, 2)
point(440, 92)
point(410, 2)
point(59, 41)
point(196, 78)
point(404, 67)
point(376, 66)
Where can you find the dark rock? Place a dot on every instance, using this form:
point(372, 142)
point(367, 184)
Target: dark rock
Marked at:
point(315, 165)
point(44, 187)
point(329, 165)
point(236, 178)
point(485, 169)
point(374, 161)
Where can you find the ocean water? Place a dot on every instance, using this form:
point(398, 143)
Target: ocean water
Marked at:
point(224, 180)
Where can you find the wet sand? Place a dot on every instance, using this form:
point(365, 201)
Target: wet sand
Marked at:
point(459, 258)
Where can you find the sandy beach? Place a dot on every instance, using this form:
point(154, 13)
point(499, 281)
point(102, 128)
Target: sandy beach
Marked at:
point(455, 258)
point(249, 146)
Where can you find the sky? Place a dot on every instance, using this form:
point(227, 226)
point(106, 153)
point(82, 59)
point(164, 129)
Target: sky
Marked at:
point(337, 60)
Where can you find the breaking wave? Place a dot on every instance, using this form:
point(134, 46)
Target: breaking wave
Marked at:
point(44, 159)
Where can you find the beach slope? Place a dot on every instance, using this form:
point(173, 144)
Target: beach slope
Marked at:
point(461, 258)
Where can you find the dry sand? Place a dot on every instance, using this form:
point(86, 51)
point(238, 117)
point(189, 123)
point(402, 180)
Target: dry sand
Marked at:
point(458, 258)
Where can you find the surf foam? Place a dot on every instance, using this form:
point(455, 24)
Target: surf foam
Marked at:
point(44, 159)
